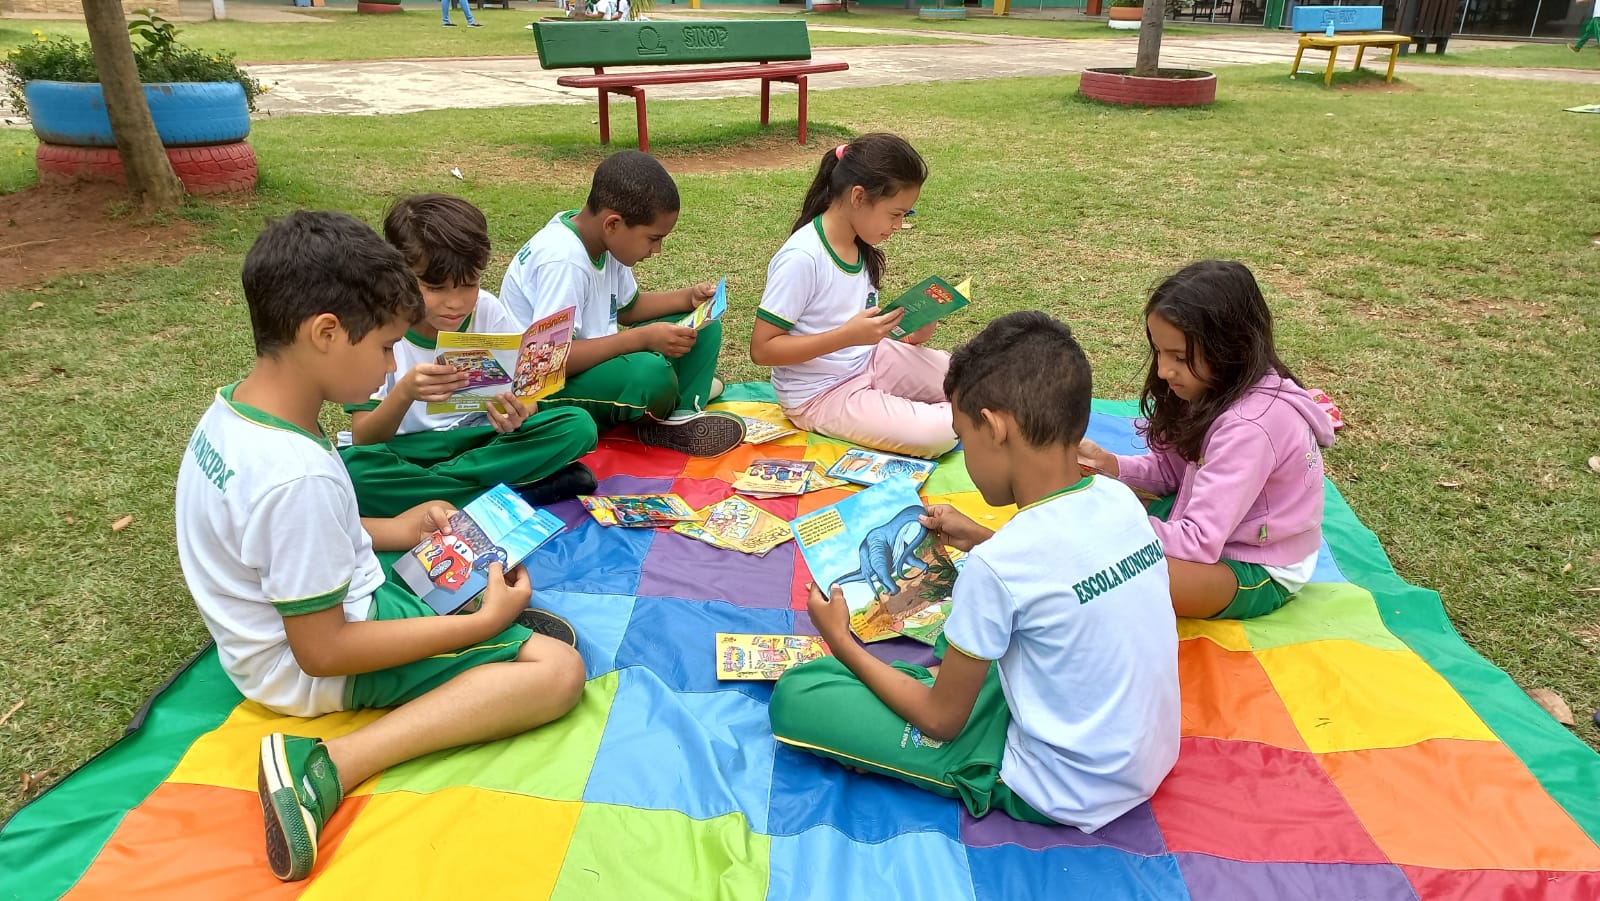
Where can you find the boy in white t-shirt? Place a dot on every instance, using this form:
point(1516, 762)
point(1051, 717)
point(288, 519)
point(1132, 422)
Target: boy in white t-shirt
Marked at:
point(1057, 699)
point(655, 373)
point(403, 453)
point(282, 565)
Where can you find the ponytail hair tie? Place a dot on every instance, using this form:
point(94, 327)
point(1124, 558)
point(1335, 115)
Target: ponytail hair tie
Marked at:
point(838, 152)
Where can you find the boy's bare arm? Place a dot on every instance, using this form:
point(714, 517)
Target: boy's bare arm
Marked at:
point(403, 532)
point(429, 382)
point(656, 304)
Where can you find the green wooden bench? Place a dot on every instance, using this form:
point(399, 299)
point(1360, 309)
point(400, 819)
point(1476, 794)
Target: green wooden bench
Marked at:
point(780, 50)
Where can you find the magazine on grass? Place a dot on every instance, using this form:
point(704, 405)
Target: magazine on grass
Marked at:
point(449, 571)
point(531, 365)
point(894, 573)
point(932, 299)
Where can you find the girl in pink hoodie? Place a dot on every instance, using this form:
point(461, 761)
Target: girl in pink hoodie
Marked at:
point(1234, 448)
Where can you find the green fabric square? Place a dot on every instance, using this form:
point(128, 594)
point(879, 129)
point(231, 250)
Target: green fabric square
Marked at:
point(950, 477)
point(1320, 611)
point(641, 855)
point(553, 761)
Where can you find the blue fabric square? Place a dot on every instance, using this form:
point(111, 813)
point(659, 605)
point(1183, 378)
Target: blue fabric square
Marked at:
point(1008, 872)
point(822, 864)
point(704, 754)
point(810, 791)
point(1327, 568)
point(599, 619)
point(1115, 434)
point(588, 557)
point(676, 640)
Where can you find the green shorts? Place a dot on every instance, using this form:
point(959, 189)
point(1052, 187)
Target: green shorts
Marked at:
point(821, 707)
point(409, 681)
point(1258, 593)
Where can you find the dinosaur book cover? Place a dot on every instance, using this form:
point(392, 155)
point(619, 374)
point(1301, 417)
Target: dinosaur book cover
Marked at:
point(891, 569)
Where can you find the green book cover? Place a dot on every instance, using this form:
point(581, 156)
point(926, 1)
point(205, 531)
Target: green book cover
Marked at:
point(931, 300)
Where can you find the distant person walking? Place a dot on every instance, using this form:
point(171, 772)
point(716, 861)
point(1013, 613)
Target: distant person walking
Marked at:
point(444, 6)
point(1591, 29)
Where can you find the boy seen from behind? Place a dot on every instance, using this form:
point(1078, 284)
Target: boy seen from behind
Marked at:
point(655, 373)
point(403, 453)
point(283, 567)
point(1057, 699)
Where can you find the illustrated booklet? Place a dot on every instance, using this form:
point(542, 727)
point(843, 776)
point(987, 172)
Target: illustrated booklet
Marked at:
point(531, 365)
point(865, 467)
point(931, 300)
point(637, 510)
point(764, 657)
point(735, 524)
point(710, 311)
point(449, 571)
point(892, 570)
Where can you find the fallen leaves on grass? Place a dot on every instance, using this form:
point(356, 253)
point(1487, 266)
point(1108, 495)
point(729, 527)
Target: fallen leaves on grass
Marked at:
point(1553, 704)
point(1443, 484)
point(14, 708)
point(1594, 465)
point(36, 305)
point(122, 523)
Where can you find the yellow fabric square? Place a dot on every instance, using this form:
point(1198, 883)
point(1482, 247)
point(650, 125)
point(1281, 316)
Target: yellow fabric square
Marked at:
point(455, 843)
point(1344, 696)
point(766, 413)
point(971, 503)
point(228, 755)
point(1225, 633)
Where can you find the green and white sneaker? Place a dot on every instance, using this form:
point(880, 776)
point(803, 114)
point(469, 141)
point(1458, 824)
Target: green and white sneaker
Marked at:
point(299, 790)
point(707, 433)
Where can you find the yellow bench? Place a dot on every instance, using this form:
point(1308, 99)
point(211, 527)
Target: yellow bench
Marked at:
point(1350, 26)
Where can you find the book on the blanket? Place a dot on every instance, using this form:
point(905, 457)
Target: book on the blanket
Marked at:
point(865, 467)
point(872, 545)
point(774, 478)
point(450, 570)
point(637, 510)
point(764, 657)
point(710, 311)
point(759, 431)
point(932, 299)
point(530, 365)
point(736, 524)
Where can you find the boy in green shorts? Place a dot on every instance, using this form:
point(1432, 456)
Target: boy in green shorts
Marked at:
point(656, 373)
point(1057, 699)
point(282, 566)
point(403, 453)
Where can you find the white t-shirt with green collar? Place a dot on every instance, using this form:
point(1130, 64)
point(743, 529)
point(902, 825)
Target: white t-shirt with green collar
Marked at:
point(268, 527)
point(810, 291)
point(554, 271)
point(490, 317)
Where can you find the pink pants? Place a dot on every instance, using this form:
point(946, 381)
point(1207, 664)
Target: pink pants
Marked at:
point(896, 404)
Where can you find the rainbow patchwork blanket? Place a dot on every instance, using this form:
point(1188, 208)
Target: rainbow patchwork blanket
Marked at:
point(1347, 746)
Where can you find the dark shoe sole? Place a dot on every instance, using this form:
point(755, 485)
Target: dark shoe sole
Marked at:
point(703, 435)
point(281, 815)
point(567, 482)
point(543, 622)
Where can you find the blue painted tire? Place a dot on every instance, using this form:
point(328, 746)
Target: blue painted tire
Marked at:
point(187, 114)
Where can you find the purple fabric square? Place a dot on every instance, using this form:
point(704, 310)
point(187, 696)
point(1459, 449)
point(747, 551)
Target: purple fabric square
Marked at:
point(1134, 831)
point(681, 567)
point(1220, 879)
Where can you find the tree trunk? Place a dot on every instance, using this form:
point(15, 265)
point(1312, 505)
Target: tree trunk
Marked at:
point(218, 9)
point(144, 160)
point(1148, 64)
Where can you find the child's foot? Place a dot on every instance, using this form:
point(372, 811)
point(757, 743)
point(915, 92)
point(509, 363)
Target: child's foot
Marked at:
point(1573, 46)
point(716, 389)
point(299, 789)
point(706, 434)
point(449, 24)
point(543, 622)
point(474, 24)
point(567, 482)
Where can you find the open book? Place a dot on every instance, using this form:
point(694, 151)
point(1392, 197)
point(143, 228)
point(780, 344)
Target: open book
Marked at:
point(449, 571)
point(711, 310)
point(531, 365)
point(932, 299)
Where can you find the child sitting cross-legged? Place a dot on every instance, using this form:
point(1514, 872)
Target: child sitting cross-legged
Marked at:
point(282, 565)
point(403, 453)
point(1057, 699)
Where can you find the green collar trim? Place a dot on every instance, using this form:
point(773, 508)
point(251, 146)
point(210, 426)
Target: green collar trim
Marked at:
point(598, 262)
point(843, 266)
point(1070, 489)
point(433, 343)
point(263, 418)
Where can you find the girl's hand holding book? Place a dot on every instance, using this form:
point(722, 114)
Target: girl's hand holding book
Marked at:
point(1092, 458)
point(869, 326)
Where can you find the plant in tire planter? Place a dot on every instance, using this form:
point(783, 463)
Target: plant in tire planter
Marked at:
point(1147, 84)
point(198, 100)
point(377, 7)
point(1125, 14)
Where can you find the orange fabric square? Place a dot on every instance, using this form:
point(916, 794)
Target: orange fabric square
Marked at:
point(1226, 694)
point(728, 466)
point(1457, 805)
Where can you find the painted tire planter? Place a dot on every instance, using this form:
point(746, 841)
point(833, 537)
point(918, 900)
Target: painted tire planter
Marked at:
point(936, 13)
point(218, 169)
point(826, 6)
point(1125, 18)
point(1175, 87)
point(187, 114)
point(377, 9)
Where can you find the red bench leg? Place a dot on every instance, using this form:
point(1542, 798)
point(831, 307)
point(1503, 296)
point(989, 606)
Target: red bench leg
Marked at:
point(605, 116)
point(801, 83)
point(766, 101)
point(643, 119)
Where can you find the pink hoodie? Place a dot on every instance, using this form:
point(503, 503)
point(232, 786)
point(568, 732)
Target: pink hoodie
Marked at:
point(1256, 494)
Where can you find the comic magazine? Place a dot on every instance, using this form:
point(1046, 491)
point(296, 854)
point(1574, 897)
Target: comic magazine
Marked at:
point(759, 431)
point(864, 467)
point(637, 510)
point(932, 299)
point(450, 571)
point(774, 478)
point(532, 364)
point(737, 525)
point(873, 546)
point(711, 310)
point(764, 657)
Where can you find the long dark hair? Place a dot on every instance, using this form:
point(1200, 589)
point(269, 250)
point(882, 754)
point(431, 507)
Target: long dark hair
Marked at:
point(1225, 322)
point(882, 164)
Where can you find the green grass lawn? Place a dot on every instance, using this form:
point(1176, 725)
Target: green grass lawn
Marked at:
point(977, 22)
point(1521, 56)
point(1441, 290)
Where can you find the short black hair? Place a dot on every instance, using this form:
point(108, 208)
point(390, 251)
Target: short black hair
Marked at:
point(445, 239)
point(1029, 365)
point(314, 262)
point(633, 185)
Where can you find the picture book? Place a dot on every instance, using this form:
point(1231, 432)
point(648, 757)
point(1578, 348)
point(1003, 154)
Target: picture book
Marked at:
point(873, 546)
point(736, 524)
point(711, 310)
point(764, 657)
point(864, 467)
point(759, 431)
point(774, 478)
point(531, 365)
point(932, 299)
point(637, 510)
point(449, 571)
